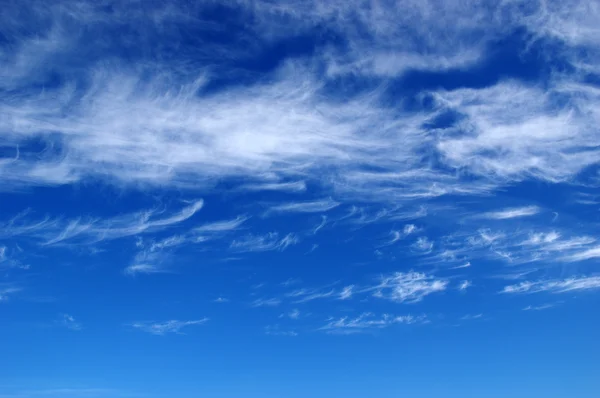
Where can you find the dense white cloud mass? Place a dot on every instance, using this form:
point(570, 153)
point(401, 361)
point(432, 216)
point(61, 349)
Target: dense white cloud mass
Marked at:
point(152, 121)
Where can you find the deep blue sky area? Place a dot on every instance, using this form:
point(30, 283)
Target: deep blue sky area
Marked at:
point(258, 199)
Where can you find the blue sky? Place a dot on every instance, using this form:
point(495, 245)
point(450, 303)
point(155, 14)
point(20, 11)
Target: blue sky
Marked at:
point(299, 199)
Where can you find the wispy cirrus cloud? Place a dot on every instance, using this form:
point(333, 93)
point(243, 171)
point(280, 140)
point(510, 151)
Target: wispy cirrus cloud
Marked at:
point(290, 282)
point(295, 186)
point(7, 290)
point(555, 286)
point(396, 236)
point(260, 243)
point(522, 123)
point(293, 314)
point(409, 287)
point(266, 302)
point(162, 328)
point(465, 265)
point(368, 321)
point(317, 206)
point(10, 262)
point(221, 300)
point(221, 226)
point(516, 245)
point(346, 292)
point(538, 307)
point(320, 225)
point(400, 287)
point(69, 322)
point(515, 212)
point(314, 295)
point(276, 330)
point(143, 268)
point(464, 285)
point(582, 255)
point(57, 231)
point(153, 257)
point(423, 244)
point(470, 317)
point(304, 295)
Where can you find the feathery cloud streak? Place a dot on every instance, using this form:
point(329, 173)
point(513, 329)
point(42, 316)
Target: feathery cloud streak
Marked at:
point(512, 213)
point(555, 286)
point(56, 231)
point(162, 328)
point(366, 321)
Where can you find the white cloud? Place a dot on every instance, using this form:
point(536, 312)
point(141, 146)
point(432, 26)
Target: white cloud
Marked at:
point(555, 286)
point(583, 255)
point(540, 238)
point(69, 322)
point(260, 243)
point(290, 281)
point(123, 131)
point(586, 199)
point(346, 292)
point(221, 226)
point(171, 241)
point(321, 225)
point(303, 296)
point(391, 39)
point(8, 262)
point(313, 247)
point(366, 321)
point(296, 186)
point(410, 287)
point(465, 265)
point(395, 237)
point(275, 330)
point(154, 258)
point(221, 300)
point(293, 314)
point(121, 127)
point(398, 235)
point(316, 206)
point(573, 22)
point(7, 290)
point(270, 302)
point(517, 245)
point(516, 132)
point(409, 229)
point(464, 285)
point(57, 231)
point(144, 268)
point(538, 307)
point(515, 212)
point(162, 328)
point(470, 317)
point(485, 237)
point(423, 244)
